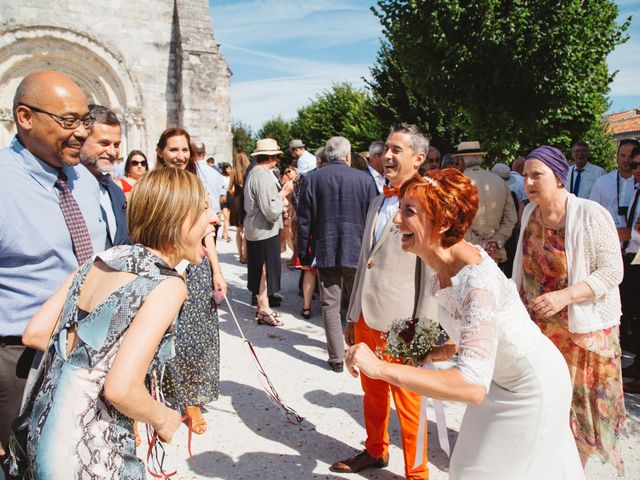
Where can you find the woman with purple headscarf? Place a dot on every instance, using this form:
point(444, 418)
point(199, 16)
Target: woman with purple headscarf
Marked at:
point(567, 269)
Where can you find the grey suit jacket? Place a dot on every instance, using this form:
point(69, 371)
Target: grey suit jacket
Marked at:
point(383, 289)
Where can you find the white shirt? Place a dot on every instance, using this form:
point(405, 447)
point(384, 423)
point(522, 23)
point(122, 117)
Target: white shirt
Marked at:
point(378, 177)
point(213, 182)
point(634, 243)
point(388, 209)
point(105, 203)
point(612, 191)
point(588, 177)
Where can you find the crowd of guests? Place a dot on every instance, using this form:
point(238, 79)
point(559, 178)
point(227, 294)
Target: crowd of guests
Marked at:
point(530, 269)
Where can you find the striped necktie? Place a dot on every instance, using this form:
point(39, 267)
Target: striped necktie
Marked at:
point(82, 247)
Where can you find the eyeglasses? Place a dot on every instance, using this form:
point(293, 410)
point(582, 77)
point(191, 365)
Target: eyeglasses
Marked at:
point(68, 123)
point(634, 165)
point(135, 163)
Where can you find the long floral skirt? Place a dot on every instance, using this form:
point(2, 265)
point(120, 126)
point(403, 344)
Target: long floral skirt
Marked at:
point(598, 417)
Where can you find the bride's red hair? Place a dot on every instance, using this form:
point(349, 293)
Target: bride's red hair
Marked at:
point(449, 198)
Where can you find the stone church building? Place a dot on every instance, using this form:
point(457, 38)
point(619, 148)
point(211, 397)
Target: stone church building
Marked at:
point(155, 63)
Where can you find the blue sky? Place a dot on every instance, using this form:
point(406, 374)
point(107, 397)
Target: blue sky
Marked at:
point(283, 52)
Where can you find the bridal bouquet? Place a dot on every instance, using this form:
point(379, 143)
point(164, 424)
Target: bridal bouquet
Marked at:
point(412, 338)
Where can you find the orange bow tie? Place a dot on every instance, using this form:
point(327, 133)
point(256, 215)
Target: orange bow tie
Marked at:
point(390, 191)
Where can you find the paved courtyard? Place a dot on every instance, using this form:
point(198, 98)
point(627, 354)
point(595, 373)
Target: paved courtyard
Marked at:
point(248, 438)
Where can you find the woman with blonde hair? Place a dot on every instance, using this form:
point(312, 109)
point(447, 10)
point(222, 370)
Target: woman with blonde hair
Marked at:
point(194, 373)
point(107, 332)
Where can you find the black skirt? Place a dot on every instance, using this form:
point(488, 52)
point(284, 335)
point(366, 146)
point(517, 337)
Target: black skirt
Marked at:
point(259, 253)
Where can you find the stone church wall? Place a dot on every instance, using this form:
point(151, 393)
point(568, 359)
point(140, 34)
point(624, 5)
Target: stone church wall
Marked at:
point(155, 63)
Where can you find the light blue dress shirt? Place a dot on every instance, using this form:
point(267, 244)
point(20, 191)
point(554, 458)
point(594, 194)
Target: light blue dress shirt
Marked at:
point(36, 253)
point(213, 182)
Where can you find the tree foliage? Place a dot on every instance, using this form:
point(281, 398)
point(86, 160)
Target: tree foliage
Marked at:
point(243, 140)
point(343, 110)
point(280, 130)
point(511, 73)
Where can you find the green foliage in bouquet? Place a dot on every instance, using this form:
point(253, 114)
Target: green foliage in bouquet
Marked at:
point(412, 338)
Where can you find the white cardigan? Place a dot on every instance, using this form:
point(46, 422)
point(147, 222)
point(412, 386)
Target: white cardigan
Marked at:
point(593, 256)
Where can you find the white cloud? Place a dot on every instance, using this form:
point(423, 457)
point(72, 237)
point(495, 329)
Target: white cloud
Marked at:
point(255, 102)
point(330, 22)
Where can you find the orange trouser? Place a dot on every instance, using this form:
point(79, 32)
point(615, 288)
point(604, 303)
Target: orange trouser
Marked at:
point(377, 406)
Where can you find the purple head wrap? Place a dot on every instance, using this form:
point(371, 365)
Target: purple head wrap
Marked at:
point(552, 158)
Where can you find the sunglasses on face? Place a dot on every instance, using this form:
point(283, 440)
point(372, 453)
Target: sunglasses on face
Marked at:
point(634, 165)
point(135, 163)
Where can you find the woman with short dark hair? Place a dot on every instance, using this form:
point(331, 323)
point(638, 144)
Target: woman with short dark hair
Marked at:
point(135, 166)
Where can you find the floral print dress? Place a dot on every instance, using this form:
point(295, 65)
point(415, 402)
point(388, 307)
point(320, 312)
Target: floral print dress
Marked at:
point(597, 410)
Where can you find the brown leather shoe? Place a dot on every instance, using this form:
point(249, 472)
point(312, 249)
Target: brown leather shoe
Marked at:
point(360, 461)
point(631, 387)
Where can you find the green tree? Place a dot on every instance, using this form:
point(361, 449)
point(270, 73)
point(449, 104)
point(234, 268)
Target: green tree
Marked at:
point(395, 101)
point(243, 140)
point(343, 110)
point(518, 72)
point(280, 130)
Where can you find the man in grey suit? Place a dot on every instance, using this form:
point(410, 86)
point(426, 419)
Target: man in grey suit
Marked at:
point(384, 291)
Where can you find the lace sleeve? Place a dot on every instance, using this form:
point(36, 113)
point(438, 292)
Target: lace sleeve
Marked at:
point(478, 337)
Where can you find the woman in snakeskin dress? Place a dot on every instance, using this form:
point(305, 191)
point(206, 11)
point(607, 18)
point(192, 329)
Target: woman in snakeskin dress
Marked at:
point(110, 325)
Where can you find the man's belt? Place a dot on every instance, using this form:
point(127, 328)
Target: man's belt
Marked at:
point(11, 340)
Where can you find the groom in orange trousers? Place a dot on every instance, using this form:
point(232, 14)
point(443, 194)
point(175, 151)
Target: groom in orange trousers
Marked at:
point(384, 291)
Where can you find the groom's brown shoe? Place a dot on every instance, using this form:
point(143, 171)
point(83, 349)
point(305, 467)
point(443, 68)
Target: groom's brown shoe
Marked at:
point(360, 461)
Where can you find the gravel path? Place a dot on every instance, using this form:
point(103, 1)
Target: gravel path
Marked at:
point(249, 438)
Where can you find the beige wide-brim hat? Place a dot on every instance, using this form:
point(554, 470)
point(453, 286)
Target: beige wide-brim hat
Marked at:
point(266, 146)
point(468, 148)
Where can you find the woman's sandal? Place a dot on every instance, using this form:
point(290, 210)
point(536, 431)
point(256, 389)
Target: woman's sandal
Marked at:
point(272, 319)
point(306, 313)
point(198, 423)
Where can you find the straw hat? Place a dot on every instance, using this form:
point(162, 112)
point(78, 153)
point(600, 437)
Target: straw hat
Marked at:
point(266, 146)
point(468, 148)
point(295, 143)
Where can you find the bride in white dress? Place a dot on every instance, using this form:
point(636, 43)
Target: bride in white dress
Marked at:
point(514, 379)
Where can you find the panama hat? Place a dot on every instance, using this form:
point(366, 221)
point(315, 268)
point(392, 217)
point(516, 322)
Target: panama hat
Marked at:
point(266, 146)
point(468, 148)
point(295, 143)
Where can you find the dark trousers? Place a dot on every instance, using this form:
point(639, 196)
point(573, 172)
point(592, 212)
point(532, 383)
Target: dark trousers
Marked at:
point(11, 388)
point(334, 283)
point(630, 322)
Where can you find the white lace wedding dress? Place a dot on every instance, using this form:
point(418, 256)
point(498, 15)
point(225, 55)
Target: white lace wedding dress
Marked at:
point(521, 428)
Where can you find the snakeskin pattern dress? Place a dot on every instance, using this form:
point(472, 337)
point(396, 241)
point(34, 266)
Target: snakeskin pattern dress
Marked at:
point(74, 432)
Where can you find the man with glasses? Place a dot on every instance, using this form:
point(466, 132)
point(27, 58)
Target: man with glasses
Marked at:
point(609, 190)
point(582, 174)
point(99, 154)
point(50, 221)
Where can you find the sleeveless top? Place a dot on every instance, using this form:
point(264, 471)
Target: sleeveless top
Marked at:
point(74, 431)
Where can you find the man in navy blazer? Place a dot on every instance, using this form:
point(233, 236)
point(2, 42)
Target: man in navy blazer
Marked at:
point(332, 211)
point(99, 154)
